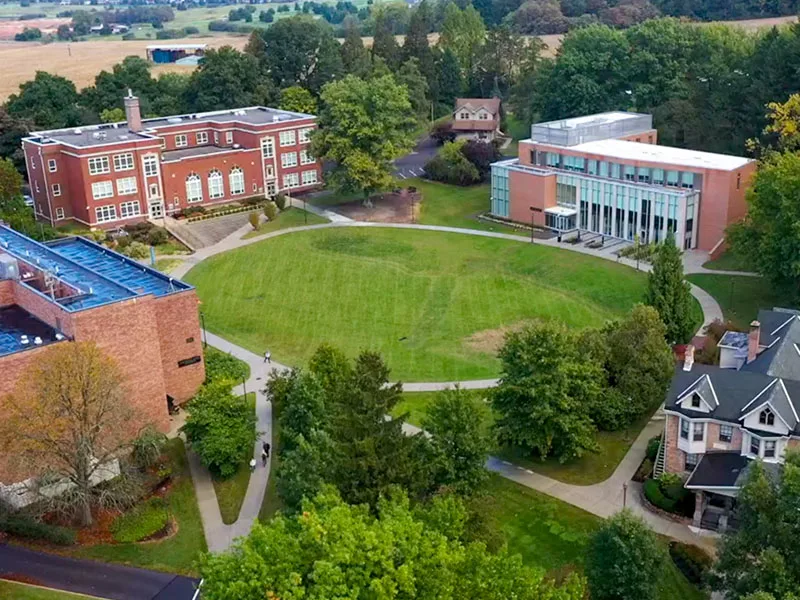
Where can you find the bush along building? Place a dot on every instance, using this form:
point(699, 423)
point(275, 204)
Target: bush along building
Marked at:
point(721, 418)
point(606, 174)
point(118, 173)
point(72, 289)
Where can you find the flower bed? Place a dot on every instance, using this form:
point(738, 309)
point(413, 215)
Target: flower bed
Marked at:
point(144, 521)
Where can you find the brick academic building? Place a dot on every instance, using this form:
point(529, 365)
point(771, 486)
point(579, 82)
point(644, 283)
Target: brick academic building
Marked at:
point(117, 173)
point(75, 290)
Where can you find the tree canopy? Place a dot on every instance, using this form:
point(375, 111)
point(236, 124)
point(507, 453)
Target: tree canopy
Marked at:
point(669, 293)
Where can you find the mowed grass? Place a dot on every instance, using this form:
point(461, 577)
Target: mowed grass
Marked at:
point(553, 535)
point(176, 554)
point(291, 217)
point(20, 591)
point(433, 304)
point(740, 297)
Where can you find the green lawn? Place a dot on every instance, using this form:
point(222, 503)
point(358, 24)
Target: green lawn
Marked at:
point(166, 265)
point(553, 535)
point(231, 491)
point(434, 304)
point(21, 591)
point(291, 217)
point(176, 554)
point(740, 296)
point(728, 262)
point(416, 404)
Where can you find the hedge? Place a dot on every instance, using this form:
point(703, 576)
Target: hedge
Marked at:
point(143, 521)
point(220, 365)
point(35, 530)
point(692, 561)
point(652, 491)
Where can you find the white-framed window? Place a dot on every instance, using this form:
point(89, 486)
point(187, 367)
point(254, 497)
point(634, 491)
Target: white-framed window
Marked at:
point(288, 138)
point(268, 147)
point(725, 433)
point(152, 191)
point(270, 171)
point(766, 417)
point(163, 143)
point(202, 137)
point(52, 166)
point(59, 213)
point(228, 137)
point(194, 188)
point(216, 137)
point(216, 187)
point(305, 135)
point(306, 158)
point(291, 181)
point(99, 165)
point(106, 213)
point(129, 209)
point(684, 429)
point(36, 187)
point(102, 189)
point(33, 163)
point(126, 186)
point(309, 177)
point(464, 115)
point(123, 162)
point(289, 159)
point(181, 140)
point(691, 461)
point(150, 164)
point(56, 187)
point(755, 445)
point(483, 116)
point(769, 449)
point(236, 181)
point(696, 400)
point(698, 430)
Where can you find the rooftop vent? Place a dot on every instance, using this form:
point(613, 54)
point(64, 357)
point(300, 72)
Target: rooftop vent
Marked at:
point(174, 120)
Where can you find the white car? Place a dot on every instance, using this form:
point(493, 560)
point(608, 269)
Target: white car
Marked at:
point(27, 199)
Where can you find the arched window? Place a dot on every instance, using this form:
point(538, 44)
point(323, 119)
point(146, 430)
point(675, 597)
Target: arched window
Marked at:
point(236, 181)
point(216, 186)
point(194, 188)
point(766, 417)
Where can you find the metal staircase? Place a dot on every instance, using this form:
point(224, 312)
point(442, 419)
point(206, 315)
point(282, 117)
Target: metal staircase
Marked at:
point(658, 467)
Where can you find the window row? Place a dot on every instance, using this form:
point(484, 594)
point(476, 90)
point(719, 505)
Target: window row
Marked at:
point(293, 180)
point(289, 159)
point(216, 185)
point(105, 189)
point(127, 210)
point(697, 431)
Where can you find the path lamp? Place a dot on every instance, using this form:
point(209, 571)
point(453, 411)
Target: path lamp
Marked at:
point(305, 212)
point(624, 494)
point(244, 388)
point(203, 325)
point(533, 211)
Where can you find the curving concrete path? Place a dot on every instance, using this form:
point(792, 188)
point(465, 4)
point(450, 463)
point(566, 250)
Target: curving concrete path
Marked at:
point(602, 499)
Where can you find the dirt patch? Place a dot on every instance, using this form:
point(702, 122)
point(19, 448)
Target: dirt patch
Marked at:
point(169, 530)
point(8, 29)
point(394, 207)
point(489, 341)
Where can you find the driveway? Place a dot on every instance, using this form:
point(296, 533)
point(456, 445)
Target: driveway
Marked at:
point(103, 580)
point(412, 164)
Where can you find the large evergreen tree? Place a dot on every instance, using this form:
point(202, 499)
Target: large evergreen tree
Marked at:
point(384, 43)
point(355, 57)
point(669, 293)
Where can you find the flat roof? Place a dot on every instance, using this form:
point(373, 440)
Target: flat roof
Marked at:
point(101, 275)
point(667, 155)
point(20, 330)
point(171, 155)
point(177, 46)
point(598, 119)
point(107, 133)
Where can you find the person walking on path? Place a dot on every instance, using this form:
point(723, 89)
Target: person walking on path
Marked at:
point(264, 456)
point(265, 447)
point(268, 357)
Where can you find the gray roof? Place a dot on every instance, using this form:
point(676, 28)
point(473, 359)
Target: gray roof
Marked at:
point(718, 470)
point(172, 155)
point(782, 357)
point(107, 133)
point(772, 322)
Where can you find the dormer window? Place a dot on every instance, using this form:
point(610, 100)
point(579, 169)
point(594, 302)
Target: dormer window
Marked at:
point(696, 400)
point(465, 115)
point(766, 417)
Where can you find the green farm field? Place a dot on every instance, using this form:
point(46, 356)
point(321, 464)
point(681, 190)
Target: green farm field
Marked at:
point(436, 305)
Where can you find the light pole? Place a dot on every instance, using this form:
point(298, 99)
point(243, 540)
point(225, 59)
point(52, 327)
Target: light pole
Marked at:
point(203, 325)
point(624, 494)
point(533, 210)
point(305, 212)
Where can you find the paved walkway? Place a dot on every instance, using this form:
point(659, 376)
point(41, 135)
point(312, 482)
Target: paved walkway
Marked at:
point(219, 535)
point(103, 580)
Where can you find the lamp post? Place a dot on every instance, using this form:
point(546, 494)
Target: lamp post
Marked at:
point(203, 325)
point(244, 388)
point(624, 495)
point(305, 212)
point(533, 210)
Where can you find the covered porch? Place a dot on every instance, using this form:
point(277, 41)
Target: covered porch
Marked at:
point(716, 481)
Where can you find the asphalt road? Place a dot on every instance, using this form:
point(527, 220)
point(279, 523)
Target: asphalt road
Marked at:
point(114, 582)
point(411, 165)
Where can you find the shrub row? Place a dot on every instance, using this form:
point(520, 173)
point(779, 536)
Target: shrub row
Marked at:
point(143, 521)
point(221, 213)
point(652, 491)
point(220, 365)
point(28, 528)
point(692, 561)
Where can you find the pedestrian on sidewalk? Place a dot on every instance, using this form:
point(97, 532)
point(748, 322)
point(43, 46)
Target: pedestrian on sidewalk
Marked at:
point(268, 357)
point(264, 456)
point(252, 464)
point(265, 447)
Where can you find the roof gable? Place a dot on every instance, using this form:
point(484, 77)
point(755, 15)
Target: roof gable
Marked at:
point(474, 104)
point(703, 387)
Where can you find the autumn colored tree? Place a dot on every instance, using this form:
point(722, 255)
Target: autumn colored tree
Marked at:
point(67, 420)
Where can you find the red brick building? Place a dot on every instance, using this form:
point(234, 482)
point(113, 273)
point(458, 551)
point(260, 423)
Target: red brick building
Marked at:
point(74, 290)
point(117, 173)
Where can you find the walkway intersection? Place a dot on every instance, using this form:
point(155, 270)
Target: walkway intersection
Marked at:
point(602, 499)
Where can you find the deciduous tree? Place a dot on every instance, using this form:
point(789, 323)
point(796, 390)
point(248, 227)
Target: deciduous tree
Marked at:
point(545, 386)
point(463, 33)
point(68, 418)
point(49, 101)
point(624, 560)
point(669, 293)
point(12, 130)
point(298, 99)
point(364, 126)
point(10, 184)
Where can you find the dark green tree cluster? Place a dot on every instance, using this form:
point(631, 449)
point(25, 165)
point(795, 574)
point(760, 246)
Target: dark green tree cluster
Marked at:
point(334, 550)
point(557, 387)
point(334, 429)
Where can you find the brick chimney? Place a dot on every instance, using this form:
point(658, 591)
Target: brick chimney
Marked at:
point(688, 358)
point(132, 112)
point(752, 341)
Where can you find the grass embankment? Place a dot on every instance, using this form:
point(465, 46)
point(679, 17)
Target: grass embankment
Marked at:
point(291, 217)
point(436, 305)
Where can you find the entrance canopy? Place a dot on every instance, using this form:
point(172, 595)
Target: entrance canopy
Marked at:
point(559, 218)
